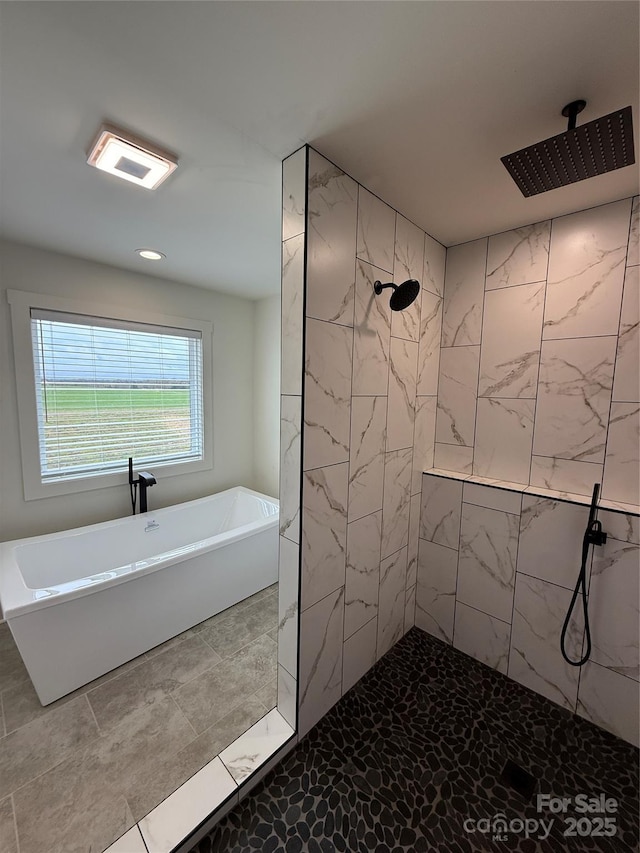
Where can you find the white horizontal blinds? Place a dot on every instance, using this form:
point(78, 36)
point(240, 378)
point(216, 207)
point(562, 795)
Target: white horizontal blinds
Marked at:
point(108, 389)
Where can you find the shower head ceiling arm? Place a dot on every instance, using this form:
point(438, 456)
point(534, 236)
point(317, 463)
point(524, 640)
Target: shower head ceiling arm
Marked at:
point(571, 111)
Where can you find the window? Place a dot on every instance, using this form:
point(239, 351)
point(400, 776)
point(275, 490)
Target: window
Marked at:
point(109, 390)
point(104, 388)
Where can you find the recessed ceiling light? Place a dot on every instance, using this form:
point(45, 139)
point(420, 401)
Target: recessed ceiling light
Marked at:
point(150, 254)
point(128, 157)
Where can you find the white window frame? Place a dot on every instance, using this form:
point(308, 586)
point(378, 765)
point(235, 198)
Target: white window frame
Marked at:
point(22, 302)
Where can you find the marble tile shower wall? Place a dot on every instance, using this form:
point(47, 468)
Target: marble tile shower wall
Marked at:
point(368, 396)
point(539, 375)
point(496, 570)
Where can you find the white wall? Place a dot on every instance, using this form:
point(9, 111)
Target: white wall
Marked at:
point(266, 394)
point(24, 267)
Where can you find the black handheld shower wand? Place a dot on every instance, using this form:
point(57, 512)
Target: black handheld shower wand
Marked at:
point(593, 535)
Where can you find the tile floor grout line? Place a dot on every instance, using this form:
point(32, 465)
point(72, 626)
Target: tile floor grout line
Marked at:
point(93, 714)
point(182, 713)
point(75, 751)
point(235, 652)
point(15, 823)
point(221, 661)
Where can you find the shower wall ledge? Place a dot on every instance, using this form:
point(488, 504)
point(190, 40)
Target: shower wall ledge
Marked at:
point(538, 491)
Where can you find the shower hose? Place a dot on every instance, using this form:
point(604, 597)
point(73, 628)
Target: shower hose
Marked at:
point(593, 535)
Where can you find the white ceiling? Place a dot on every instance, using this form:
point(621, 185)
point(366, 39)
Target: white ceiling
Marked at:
point(416, 100)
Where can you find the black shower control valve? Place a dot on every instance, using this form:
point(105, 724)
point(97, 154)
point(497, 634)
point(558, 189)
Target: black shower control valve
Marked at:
point(595, 534)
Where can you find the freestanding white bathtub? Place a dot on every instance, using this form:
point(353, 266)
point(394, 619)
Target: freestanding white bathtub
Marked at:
point(82, 602)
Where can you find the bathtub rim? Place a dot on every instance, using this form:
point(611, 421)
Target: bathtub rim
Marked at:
point(17, 599)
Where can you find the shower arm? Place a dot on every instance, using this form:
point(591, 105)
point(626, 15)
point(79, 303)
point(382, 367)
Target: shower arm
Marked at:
point(571, 112)
point(379, 287)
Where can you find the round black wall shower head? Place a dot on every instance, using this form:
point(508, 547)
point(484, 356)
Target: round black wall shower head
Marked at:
point(403, 294)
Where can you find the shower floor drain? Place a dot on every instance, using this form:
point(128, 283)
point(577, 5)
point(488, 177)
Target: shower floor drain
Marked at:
point(519, 779)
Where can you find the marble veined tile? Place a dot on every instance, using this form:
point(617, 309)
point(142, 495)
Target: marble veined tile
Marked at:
point(574, 393)
point(376, 231)
point(492, 498)
point(614, 607)
point(409, 250)
point(620, 525)
point(482, 637)
point(436, 590)
point(372, 334)
point(435, 256)
point(359, 654)
point(291, 307)
point(423, 439)
point(130, 842)
point(363, 572)
point(290, 461)
point(535, 659)
point(511, 331)
point(429, 352)
point(622, 463)
point(287, 688)
point(293, 193)
point(396, 501)
point(440, 512)
point(457, 390)
point(408, 263)
point(410, 608)
point(327, 405)
point(565, 475)
point(464, 293)
point(633, 253)
point(331, 241)
point(519, 256)
point(324, 532)
point(557, 495)
point(504, 434)
point(414, 535)
point(288, 576)
point(393, 582)
point(487, 563)
point(619, 506)
point(626, 382)
point(321, 641)
point(403, 369)
point(610, 701)
point(256, 745)
point(366, 465)
point(551, 534)
point(586, 270)
point(454, 475)
point(453, 458)
point(170, 822)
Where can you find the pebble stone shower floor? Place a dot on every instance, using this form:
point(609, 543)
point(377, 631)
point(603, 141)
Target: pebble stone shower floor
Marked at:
point(417, 747)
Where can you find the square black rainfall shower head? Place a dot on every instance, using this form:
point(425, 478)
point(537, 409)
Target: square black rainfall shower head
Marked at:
point(599, 146)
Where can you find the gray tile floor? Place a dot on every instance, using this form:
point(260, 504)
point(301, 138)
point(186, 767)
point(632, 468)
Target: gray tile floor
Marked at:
point(78, 773)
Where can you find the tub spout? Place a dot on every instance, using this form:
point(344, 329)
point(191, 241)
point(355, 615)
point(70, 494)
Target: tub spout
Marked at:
point(145, 481)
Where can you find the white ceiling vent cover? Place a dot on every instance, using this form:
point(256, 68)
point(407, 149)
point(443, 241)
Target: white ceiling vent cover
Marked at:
point(128, 157)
